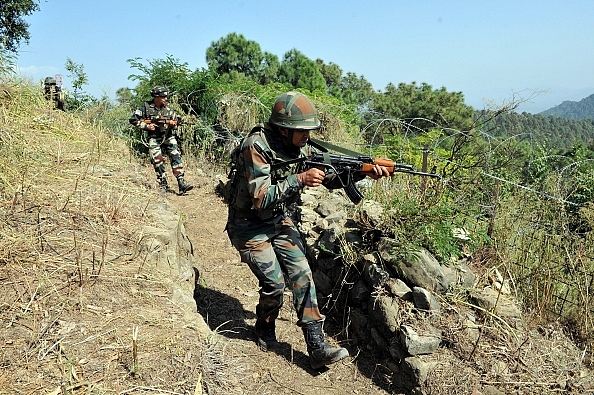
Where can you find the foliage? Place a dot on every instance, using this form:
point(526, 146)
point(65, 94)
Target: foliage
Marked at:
point(584, 109)
point(537, 129)
point(110, 116)
point(300, 72)
point(356, 90)
point(419, 214)
point(7, 62)
point(565, 174)
point(13, 28)
point(428, 108)
point(269, 69)
point(332, 74)
point(551, 266)
point(124, 96)
point(235, 53)
point(79, 99)
point(351, 89)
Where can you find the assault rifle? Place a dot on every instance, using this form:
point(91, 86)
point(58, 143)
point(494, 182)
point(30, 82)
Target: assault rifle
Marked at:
point(344, 166)
point(160, 121)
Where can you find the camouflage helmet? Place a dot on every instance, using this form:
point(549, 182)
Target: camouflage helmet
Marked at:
point(50, 81)
point(293, 110)
point(159, 91)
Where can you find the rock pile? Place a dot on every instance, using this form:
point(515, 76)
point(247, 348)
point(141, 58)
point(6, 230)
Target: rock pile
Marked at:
point(391, 301)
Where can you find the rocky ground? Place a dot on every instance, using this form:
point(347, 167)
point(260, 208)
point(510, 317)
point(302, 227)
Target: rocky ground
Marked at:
point(84, 312)
point(227, 298)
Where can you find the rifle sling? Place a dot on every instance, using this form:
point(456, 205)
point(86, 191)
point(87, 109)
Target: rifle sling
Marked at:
point(324, 146)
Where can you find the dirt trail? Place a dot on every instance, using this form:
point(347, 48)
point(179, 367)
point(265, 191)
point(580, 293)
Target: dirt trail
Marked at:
point(227, 296)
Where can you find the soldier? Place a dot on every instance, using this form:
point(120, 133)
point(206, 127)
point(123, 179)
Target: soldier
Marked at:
point(159, 121)
point(53, 92)
point(260, 228)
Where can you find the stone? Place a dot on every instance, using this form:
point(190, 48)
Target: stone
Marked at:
point(397, 287)
point(416, 344)
point(425, 300)
point(491, 300)
point(383, 313)
point(418, 268)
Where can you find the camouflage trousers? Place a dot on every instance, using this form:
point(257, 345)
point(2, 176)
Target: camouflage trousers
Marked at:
point(272, 249)
point(158, 147)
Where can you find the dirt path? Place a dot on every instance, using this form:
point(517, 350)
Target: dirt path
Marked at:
point(227, 296)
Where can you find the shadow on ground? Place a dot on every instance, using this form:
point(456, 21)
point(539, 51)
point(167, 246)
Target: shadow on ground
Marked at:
point(226, 315)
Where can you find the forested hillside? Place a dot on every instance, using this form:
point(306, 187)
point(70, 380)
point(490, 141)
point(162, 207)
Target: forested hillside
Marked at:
point(547, 130)
point(583, 109)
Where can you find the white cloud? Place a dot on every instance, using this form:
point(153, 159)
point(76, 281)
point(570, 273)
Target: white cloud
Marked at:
point(36, 73)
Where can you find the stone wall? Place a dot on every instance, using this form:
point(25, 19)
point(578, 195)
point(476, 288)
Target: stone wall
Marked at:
point(391, 300)
point(169, 254)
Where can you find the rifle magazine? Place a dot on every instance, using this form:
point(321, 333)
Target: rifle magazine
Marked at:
point(353, 193)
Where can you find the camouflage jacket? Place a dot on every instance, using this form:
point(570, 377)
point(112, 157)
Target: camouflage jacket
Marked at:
point(53, 92)
point(150, 112)
point(264, 187)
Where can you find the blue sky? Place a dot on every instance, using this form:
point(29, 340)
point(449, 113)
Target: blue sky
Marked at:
point(491, 51)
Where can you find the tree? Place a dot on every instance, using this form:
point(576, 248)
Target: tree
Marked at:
point(356, 90)
point(124, 96)
point(332, 75)
point(13, 28)
point(79, 78)
point(235, 53)
point(78, 75)
point(169, 72)
point(427, 107)
point(269, 68)
point(7, 62)
point(301, 72)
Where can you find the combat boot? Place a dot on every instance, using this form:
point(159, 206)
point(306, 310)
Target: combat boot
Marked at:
point(183, 186)
point(320, 352)
point(265, 334)
point(163, 185)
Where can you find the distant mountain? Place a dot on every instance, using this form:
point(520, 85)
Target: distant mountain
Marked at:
point(583, 109)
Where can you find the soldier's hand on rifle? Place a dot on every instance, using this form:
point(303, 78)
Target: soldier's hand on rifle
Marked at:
point(151, 127)
point(378, 172)
point(312, 177)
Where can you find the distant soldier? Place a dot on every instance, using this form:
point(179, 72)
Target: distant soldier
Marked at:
point(159, 121)
point(53, 92)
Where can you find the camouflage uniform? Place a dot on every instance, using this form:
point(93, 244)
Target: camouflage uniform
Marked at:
point(161, 140)
point(261, 229)
point(264, 185)
point(53, 92)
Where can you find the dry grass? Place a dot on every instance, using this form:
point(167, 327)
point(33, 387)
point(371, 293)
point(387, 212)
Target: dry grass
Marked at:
point(82, 312)
point(79, 312)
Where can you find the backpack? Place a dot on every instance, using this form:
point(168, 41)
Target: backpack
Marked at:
point(227, 189)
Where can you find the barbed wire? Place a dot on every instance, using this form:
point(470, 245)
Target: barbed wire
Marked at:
point(408, 128)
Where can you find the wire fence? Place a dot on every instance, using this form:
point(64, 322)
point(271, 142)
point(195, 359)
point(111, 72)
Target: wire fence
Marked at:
point(550, 264)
